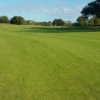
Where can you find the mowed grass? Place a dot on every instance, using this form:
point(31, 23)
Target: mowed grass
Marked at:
point(49, 63)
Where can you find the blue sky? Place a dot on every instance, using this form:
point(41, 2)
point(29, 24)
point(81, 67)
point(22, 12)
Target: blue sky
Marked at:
point(43, 10)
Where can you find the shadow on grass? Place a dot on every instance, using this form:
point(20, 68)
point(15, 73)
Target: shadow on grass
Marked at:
point(61, 29)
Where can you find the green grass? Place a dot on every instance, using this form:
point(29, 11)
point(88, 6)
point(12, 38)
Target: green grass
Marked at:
point(46, 63)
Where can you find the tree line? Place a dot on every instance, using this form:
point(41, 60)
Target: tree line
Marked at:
point(90, 16)
point(18, 20)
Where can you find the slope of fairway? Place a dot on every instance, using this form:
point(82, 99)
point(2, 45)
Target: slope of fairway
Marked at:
point(45, 63)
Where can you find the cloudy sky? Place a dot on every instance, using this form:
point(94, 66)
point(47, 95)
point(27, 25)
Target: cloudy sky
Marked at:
point(43, 10)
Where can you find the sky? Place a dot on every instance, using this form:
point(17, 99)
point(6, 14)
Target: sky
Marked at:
point(43, 10)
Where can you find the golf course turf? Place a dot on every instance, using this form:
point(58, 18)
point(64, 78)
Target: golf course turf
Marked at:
point(49, 63)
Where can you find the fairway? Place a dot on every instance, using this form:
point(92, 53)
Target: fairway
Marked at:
point(49, 63)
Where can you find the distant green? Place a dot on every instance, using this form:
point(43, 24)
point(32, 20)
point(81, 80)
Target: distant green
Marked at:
point(49, 63)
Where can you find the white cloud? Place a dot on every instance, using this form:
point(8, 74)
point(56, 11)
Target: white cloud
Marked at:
point(53, 9)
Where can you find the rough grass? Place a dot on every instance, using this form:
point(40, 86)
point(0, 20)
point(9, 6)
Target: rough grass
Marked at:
point(45, 63)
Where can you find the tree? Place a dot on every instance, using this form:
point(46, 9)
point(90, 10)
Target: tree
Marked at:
point(4, 19)
point(58, 22)
point(82, 20)
point(46, 23)
point(17, 20)
point(68, 23)
point(93, 8)
point(94, 21)
point(49, 23)
point(30, 22)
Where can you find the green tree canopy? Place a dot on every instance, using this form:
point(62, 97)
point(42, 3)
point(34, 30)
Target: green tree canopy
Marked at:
point(82, 20)
point(93, 8)
point(17, 20)
point(58, 22)
point(94, 21)
point(68, 23)
point(4, 19)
